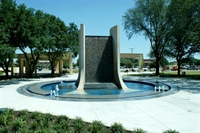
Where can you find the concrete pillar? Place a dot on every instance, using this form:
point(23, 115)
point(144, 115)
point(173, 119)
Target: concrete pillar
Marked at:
point(57, 66)
point(140, 63)
point(115, 33)
point(81, 76)
point(60, 66)
point(21, 66)
point(70, 63)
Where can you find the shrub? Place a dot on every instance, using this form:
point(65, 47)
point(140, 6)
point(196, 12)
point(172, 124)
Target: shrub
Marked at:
point(61, 124)
point(138, 130)
point(6, 116)
point(4, 129)
point(61, 119)
point(170, 131)
point(117, 128)
point(48, 117)
point(33, 125)
point(78, 124)
point(38, 117)
point(9, 113)
point(45, 131)
point(97, 127)
point(17, 124)
point(35, 115)
point(3, 120)
point(23, 114)
point(45, 119)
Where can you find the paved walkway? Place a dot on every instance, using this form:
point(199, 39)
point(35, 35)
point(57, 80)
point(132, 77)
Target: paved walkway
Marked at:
point(179, 111)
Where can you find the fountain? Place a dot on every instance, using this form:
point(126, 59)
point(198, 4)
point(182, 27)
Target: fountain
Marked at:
point(99, 61)
point(99, 76)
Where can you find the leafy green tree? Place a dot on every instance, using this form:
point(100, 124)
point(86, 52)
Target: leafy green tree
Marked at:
point(152, 65)
point(128, 62)
point(7, 54)
point(7, 20)
point(184, 40)
point(164, 62)
point(190, 61)
point(28, 34)
point(148, 17)
point(123, 62)
point(72, 33)
point(198, 62)
point(56, 45)
point(65, 64)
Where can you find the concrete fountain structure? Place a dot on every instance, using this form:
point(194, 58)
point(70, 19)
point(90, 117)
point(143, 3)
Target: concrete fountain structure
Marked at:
point(99, 61)
point(99, 76)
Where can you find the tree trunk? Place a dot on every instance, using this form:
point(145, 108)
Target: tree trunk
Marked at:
point(179, 67)
point(6, 72)
point(30, 74)
point(157, 65)
point(52, 68)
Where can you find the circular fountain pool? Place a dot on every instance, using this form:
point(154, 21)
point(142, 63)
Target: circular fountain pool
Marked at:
point(66, 90)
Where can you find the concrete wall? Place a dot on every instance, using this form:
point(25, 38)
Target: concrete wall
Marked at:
point(99, 59)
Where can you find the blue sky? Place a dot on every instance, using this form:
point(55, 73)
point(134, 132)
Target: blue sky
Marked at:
point(97, 15)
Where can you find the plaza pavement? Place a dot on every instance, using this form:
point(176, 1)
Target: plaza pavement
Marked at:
point(179, 111)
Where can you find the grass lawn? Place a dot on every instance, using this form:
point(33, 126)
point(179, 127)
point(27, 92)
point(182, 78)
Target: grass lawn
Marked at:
point(190, 74)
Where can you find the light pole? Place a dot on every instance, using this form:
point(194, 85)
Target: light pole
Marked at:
point(131, 49)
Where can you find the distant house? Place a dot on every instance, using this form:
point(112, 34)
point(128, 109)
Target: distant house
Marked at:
point(148, 61)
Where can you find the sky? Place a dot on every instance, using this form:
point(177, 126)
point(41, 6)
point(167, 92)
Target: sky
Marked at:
point(98, 16)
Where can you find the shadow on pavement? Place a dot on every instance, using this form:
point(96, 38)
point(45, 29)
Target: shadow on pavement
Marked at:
point(13, 81)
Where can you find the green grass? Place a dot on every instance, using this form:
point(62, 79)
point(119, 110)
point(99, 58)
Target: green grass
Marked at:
point(1, 72)
point(189, 74)
point(35, 122)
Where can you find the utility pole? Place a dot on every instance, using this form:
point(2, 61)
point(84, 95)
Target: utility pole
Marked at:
point(131, 50)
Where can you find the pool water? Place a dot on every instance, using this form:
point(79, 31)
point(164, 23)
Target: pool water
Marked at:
point(69, 87)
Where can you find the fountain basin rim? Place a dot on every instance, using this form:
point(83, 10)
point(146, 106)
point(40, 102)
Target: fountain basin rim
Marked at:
point(39, 93)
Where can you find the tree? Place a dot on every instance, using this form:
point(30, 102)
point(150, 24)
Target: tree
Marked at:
point(164, 62)
point(27, 35)
point(190, 61)
point(57, 40)
point(7, 54)
point(148, 17)
point(152, 64)
point(184, 40)
point(73, 45)
point(7, 20)
point(65, 64)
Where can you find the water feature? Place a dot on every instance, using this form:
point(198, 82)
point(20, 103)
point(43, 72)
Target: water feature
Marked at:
point(70, 87)
point(99, 76)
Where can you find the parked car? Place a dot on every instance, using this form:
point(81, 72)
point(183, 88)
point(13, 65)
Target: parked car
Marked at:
point(39, 68)
point(126, 70)
point(145, 68)
point(192, 68)
point(174, 68)
point(135, 69)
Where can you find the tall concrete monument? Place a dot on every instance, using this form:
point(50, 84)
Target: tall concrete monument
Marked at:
point(99, 61)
